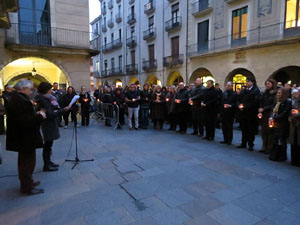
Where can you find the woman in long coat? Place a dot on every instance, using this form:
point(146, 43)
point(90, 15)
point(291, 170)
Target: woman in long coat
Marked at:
point(158, 108)
point(46, 101)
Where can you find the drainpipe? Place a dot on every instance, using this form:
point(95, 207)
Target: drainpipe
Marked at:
point(163, 31)
point(139, 44)
point(124, 43)
point(186, 47)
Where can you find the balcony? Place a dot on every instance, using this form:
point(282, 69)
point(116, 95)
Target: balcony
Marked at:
point(104, 27)
point(130, 1)
point(150, 65)
point(118, 1)
point(118, 17)
point(171, 61)
point(149, 34)
point(95, 43)
point(149, 7)
point(118, 71)
point(33, 35)
point(117, 43)
point(171, 1)
point(104, 73)
point(107, 47)
point(110, 4)
point(173, 24)
point(202, 7)
point(232, 1)
point(131, 19)
point(131, 42)
point(96, 74)
point(110, 23)
point(103, 10)
point(132, 69)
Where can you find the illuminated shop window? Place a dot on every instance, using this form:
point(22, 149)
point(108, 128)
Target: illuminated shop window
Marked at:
point(239, 23)
point(239, 81)
point(207, 78)
point(292, 17)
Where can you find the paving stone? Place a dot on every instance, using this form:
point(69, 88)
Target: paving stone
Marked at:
point(171, 217)
point(286, 217)
point(226, 196)
point(145, 221)
point(230, 214)
point(202, 220)
point(151, 172)
point(266, 222)
point(175, 197)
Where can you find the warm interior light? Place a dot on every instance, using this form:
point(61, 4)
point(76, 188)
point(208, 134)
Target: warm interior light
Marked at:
point(33, 72)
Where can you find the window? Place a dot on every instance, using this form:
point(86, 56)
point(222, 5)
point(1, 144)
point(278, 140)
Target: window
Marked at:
point(132, 31)
point(239, 23)
point(34, 22)
point(97, 66)
point(112, 36)
point(175, 11)
point(119, 8)
point(120, 61)
point(111, 14)
point(105, 41)
point(151, 53)
point(151, 22)
point(120, 34)
point(112, 63)
point(292, 17)
point(203, 36)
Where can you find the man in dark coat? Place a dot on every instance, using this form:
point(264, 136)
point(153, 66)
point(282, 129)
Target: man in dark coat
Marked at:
point(23, 134)
point(181, 106)
point(210, 104)
point(248, 106)
point(196, 97)
point(85, 100)
point(228, 107)
point(58, 94)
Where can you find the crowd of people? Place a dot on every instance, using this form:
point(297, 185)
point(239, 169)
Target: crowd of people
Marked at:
point(204, 108)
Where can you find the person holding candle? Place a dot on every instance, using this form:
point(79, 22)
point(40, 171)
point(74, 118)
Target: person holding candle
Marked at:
point(196, 97)
point(210, 104)
point(158, 108)
point(145, 106)
point(280, 113)
point(132, 98)
point(84, 101)
point(266, 103)
point(66, 100)
point(181, 106)
point(248, 104)
point(170, 104)
point(294, 137)
point(229, 99)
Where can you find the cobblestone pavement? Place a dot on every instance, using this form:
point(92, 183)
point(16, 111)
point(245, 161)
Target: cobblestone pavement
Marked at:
point(152, 177)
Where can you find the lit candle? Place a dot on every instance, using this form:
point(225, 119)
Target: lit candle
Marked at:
point(271, 122)
point(85, 99)
point(259, 115)
point(167, 99)
point(241, 106)
point(191, 102)
point(133, 99)
point(295, 112)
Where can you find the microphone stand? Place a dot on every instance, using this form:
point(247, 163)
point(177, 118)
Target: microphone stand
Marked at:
point(77, 160)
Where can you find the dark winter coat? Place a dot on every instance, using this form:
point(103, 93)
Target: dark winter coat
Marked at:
point(66, 100)
point(266, 103)
point(230, 98)
point(132, 95)
point(85, 100)
point(145, 99)
point(184, 96)
point(23, 125)
point(171, 103)
point(295, 125)
point(197, 96)
point(281, 118)
point(50, 127)
point(210, 99)
point(250, 99)
point(158, 109)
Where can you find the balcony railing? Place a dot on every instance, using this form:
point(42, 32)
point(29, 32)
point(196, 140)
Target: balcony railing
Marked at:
point(110, 4)
point(110, 23)
point(149, 34)
point(150, 65)
point(104, 73)
point(96, 43)
point(202, 7)
point(132, 69)
point(171, 1)
point(117, 43)
point(174, 23)
point(130, 1)
point(174, 60)
point(107, 47)
point(112, 45)
point(118, 17)
point(118, 71)
point(131, 42)
point(104, 27)
point(264, 35)
point(96, 74)
point(131, 19)
point(118, 1)
point(103, 10)
point(149, 7)
point(47, 36)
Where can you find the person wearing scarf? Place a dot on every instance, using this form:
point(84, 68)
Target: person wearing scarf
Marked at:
point(280, 114)
point(158, 108)
point(50, 129)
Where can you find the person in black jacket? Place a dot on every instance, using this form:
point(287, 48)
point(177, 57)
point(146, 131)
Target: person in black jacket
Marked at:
point(85, 100)
point(158, 108)
point(119, 99)
point(249, 99)
point(228, 107)
point(170, 105)
point(66, 100)
point(46, 101)
point(265, 107)
point(196, 96)
point(210, 104)
point(23, 134)
point(108, 98)
point(57, 93)
point(181, 106)
point(145, 106)
point(280, 113)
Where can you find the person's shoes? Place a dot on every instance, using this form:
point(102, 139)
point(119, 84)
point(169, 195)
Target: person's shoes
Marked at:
point(241, 146)
point(36, 183)
point(250, 148)
point(223, 142)
point(178, 131)
point(210, 139)
point(205, 138)
point(77, 125)
point(136, 128)
point(65, 127)
point(200, 135)
point(229, 143)
point(54, 164)
point(59, 125)
point(262, 151)
point(182, 132)
point(194, 133)
point(34, 191)
point(49, 169)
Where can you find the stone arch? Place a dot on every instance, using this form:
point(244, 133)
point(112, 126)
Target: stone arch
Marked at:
point(134, 80)
point(288, 74)
point(202, 73)
point(118, 82)
point(238, 77)
point(174, 78)
point(152, 80)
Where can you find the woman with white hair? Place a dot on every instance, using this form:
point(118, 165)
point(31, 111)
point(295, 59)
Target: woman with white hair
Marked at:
point(23, 134)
